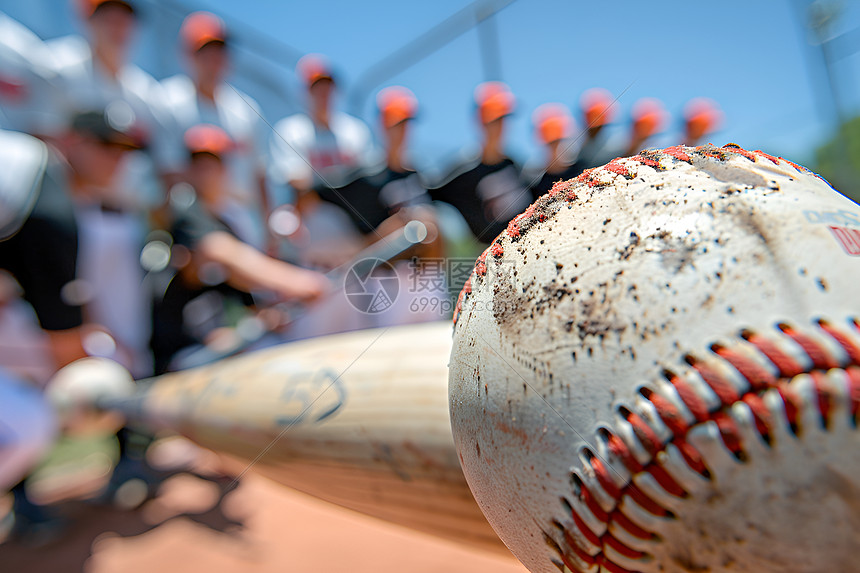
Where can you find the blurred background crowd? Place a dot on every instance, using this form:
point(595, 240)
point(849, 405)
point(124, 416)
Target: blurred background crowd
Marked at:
point(172, 219)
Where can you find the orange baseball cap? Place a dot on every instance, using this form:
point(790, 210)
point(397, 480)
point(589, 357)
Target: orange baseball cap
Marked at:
point(702, 116)
point(208, 138)
point(201, 28)
point(396, 104)
point(596, 105)
point(89, 7)
point(648, 117)
point(494, 100)
point(552, 122)
point(313, 68)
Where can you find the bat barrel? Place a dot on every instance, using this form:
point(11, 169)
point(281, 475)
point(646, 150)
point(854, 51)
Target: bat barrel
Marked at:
point(359, 419)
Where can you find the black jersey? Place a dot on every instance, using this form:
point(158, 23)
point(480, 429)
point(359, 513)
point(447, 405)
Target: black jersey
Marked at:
point(487, 196)
point(370, 199)
point(540, 185)
point(43, 254)
point(187, 311)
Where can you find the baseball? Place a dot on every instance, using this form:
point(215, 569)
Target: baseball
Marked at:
point(83, 383)
point(657, 368)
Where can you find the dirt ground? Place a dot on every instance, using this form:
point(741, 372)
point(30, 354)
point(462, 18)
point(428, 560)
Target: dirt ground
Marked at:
point(260, 526)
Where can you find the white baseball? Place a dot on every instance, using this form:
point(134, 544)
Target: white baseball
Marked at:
point(657, 368)
point(84, 382)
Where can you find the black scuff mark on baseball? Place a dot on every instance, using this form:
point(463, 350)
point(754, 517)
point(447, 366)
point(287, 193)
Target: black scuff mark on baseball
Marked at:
point(676, 252)
point(633, 242)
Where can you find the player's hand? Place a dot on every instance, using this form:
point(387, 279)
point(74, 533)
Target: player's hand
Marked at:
point(298, 284)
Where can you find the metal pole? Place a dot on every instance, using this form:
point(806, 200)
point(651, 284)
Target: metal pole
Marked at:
point(424, 45)
point(488, 37)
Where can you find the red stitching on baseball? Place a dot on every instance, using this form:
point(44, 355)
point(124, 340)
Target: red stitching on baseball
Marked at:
point(760, 413)
point(818, 354)
point(580, 554)
point(623, 549)
point(513, 229)
point(585, 175)
point(693, 401)
point(644, 432)
point(852, 349)
point(854, 380)
point(723, 388)
point(771, 158)
point(728, 431)
point(757, 375)
point(825, 397)
point(602, 475)
point(620, 450)
point(646, 159)
point(610, 566)
point(666, 481)
point(615, 166)
point(711, 152)
point(670, 415)
point(796, 166)
point(735, 148)
point(759, 380)
point(678, 152)
point(481, 263)
point(624, 522)
point(643, 500)
point(692, 457)
point(584, 529)
point(788, 366)
point(586, 496)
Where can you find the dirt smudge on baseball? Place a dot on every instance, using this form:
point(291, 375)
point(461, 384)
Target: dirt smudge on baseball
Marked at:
point(732, 174)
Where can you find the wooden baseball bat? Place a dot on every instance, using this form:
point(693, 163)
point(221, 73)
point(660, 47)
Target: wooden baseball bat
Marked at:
point(358, 419)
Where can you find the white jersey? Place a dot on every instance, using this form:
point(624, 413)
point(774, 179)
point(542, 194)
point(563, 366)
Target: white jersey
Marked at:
point(110, 243)
point(82, 85)
point(237, 114)
point(27, 101)
point(241, 118)
point(301, 150)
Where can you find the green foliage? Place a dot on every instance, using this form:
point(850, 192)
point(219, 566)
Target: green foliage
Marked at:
point(838, 160)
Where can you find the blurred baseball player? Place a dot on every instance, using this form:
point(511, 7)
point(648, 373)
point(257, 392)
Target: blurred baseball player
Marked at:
point(94, 73)
point(648, 118)
point(382, 199)
point(701, 117)
point(487, 189)
point(214, 271)
point(554, 127)
point(42, 250)
point(598, 111)
point(204, 96)
point(27, 98)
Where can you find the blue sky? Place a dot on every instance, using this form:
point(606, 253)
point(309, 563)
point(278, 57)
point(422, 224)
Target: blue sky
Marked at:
point(753, 58)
